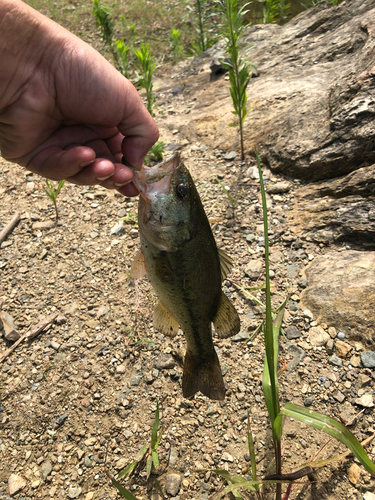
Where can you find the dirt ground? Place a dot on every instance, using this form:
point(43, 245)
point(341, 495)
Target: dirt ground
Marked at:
point(78, 401)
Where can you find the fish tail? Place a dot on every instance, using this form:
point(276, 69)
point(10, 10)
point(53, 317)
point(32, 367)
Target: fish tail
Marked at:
point(204, 376)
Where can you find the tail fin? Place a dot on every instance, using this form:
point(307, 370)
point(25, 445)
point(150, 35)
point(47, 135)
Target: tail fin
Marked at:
point(204, 376)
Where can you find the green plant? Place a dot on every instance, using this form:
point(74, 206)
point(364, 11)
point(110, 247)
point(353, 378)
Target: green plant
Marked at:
point(123, 52)
point(239, 67)
point(310, 4)
point(176, 45)
point(146, 66)
point(103, 18)
point(146, 455)
point(276, 414)
point(283, 8)
point(270, 8)
point(53, 193)
point(201, 17)
point(156, 153)
point(233, 201)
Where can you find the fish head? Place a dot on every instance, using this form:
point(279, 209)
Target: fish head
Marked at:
point(165, 206)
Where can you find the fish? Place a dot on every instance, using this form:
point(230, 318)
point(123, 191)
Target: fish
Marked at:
point(186, 269)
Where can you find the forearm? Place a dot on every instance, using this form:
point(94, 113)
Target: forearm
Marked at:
point(25, 36)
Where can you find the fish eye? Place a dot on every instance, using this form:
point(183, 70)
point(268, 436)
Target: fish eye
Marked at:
point(181, 190)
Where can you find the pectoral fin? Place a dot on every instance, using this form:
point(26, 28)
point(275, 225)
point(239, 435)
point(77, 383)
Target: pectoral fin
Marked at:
point(225, 264)
point(226, 321)
point(164, 322)
point(138, 269)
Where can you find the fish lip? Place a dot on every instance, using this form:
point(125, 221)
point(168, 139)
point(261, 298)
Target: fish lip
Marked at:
point(157, 179)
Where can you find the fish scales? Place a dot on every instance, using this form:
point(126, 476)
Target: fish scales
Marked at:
point(180, 256)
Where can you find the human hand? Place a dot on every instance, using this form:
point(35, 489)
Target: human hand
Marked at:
point(65, 112)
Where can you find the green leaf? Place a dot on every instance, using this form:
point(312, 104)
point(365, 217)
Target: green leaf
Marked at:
point(128, 469)
point(149, 465)
point(329, 426)
point(155, 459)
point(61, 183)
point(123, 491)
point(142, 452)
point(154, 434)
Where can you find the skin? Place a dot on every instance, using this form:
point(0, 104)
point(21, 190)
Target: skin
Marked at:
point(66, 112)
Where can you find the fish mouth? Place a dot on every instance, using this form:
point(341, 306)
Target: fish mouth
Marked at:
point(155, 181)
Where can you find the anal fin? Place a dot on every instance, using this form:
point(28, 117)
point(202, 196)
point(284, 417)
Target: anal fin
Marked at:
point(226, 321)
point(204, 376)
point(164, 322)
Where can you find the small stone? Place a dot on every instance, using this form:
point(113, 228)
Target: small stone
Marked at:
point(240, 337)
point(118, 228)
point(226, 457)
point(61, 419)
point(354, 474)
point(292, 332)
point(254, 269)
point(341, 335)
point(329, 346)
point(90, 441)
point(135, 380)
point(302, 283)
point(366, 400)
point(252, 172)
point(46, 469)
point(332, 332)
point(173, 456)
point(308, 401)
point(47, 224)
point(278, 188)
point(7, 327)
point(74, 492)
point(342, 349)
point(120, 369)
point(16, 484)
point(121, 463)
point(334, 360)
point(369, 496)
point(318, 337)
point(364, 380)
point(230, 156)
point(87, 462)
point(164, 362)
point(355, 361)
point(54, 345)
point(90, 495)
point(368, 359)
point(340, 397)
point(348, 416)
point(292, 271)
point(241, 387)
point(172, 484)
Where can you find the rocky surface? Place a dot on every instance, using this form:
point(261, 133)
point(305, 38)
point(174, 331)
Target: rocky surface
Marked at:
point(78, 401)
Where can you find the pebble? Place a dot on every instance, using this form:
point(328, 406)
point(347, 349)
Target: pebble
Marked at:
point(88, 461)
point(16, 484)
point(335, 360)
point(172, 484)
point(368, 359)
point(354, 474)
point(341, 335)
point(54, 345)
point(318, 337)
point(48, 224)
point(230, 156)
point(61, 419)
point(369, 496)
point(226, 457)
point(173, 456)
point(241, 336)
point(308, 401)
point(292, 332)
point(46, 469)
point(164, 362)
point(254, 269)
point(74, 492)
point(366, 400)
point(342, 348)
point(118, 228)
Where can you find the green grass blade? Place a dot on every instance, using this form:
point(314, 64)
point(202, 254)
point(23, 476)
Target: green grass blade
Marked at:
point(149, 466)
point(123, 491)
point(60, 185)
point(155, 459)
point(154, 434)
point(142, 452)
point(250, 443)
point(159, 437)
point(331, 427)
point(128, 469)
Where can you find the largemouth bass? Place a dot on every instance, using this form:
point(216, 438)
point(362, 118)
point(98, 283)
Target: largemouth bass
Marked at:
point(180, 256)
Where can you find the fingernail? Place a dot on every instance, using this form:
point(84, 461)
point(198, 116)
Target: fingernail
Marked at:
point(118, 184)
point(86, 163)
point(103, 178)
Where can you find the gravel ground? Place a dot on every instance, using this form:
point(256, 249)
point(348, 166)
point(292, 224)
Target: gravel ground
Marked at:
point(78, 401)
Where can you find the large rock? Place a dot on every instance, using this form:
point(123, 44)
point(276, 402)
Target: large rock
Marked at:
point(337, 210)
point(341, 292)
point(312, 111)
